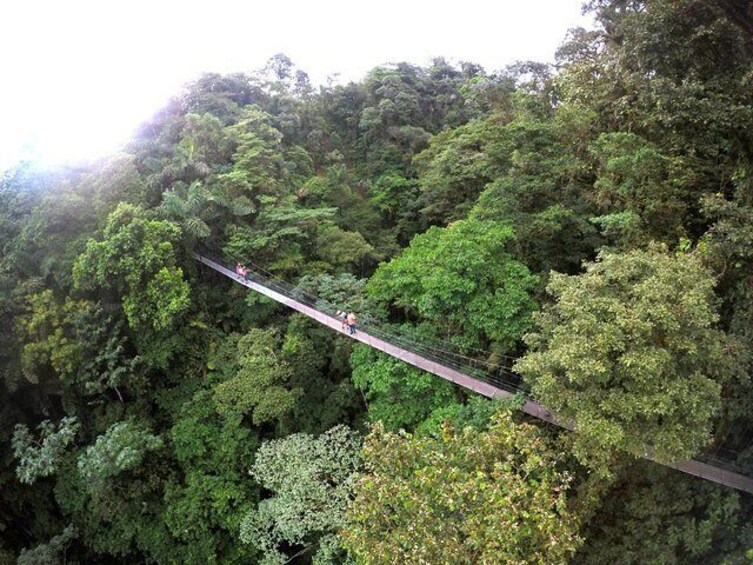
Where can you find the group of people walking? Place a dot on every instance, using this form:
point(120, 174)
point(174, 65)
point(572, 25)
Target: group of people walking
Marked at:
point(347, 320)
point(241, 271)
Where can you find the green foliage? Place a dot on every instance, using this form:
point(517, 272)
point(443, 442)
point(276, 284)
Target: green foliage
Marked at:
point(540, 172)
point(203, 513)
point(629, 352)
point(204, 507)
point(40, 457)
point(396, 197)
point(344, 291)
point(455, 169)
point(397, 394)
point(641, 132)
point(341, 248)
point(635, 181)
point(202, 441)
point(120, 520)
point(318, 360)
point(137, 258)
point(48, 553)
point(477, 413)
point(462, 280)
point(122, 447)
point(728, 248)
point(654, 515)
point(220, 96)
point(258, 164)
point(47, 332)
point(311, 478)
point(106, 360)
point(278, 235)
point(467, 497)
point(187, 208)
point(255, 380)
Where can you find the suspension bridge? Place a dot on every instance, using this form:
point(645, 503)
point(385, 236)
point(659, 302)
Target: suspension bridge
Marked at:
point(451, 366)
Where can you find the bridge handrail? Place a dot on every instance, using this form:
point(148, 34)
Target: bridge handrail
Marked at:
point(705, 465)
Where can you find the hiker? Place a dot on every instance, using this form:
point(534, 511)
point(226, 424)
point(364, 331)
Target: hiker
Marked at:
point(244, 272)
point(238, 271)
point(343, 317)
point(352, 323)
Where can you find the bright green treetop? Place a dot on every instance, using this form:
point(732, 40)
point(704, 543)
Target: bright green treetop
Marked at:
point(629, 352)
point(496, 496)
point(136, 259)
point(311, 478)
point(462, 280)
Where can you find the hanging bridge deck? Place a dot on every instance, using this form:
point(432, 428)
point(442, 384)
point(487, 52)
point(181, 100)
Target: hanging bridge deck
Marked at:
point(692, 467)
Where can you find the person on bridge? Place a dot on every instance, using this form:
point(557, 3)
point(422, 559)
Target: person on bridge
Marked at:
point(352, 323)
point(238, 270)
point(343, 317)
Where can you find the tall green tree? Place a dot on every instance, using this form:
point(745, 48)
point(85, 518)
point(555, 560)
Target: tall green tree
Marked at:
point(206, 500)
point(463, 281)
point(311, 478)
point(629, 352)
point(120, 448)
point(398, 395)
point(40, 457)
point(467, 497)
point(254, 380)
point(135, 265)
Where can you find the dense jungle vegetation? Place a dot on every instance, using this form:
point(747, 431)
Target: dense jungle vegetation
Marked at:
point(592, 221)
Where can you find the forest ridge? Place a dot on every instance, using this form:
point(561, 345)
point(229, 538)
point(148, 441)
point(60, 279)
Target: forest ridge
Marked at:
point(586, 227)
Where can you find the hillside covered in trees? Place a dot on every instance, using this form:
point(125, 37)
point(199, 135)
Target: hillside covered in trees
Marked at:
point(587, 226)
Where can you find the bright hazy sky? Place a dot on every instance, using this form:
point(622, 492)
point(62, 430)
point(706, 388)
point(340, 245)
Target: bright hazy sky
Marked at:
point(79, 76)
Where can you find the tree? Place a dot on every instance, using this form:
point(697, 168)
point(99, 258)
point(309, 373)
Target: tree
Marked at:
point(652, 514)
point(135, 265)
point(122, 447)
point(398, 395)
point(279, 235)
point(342, 248)
point(48, 553)
point(47, 331)
point(258, 163)
point(672, 73)
point(728, 249)
point(137, 260)
point(538, 166)
point(318, 359)
point(630, 354)
point(40, 458)
point(222, 96)
point(344, 291)
point(207, 499)
point(455, 169)
point(498, 496)
point(462, 280)
point(311, 478)
point(639, 191)
point(254, 380)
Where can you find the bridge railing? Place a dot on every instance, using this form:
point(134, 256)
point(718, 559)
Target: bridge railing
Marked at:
point(718, 457)
point(494, 375)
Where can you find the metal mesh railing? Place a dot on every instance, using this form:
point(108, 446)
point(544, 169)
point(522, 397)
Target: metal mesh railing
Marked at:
point(444, 353)
point(493, 374)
